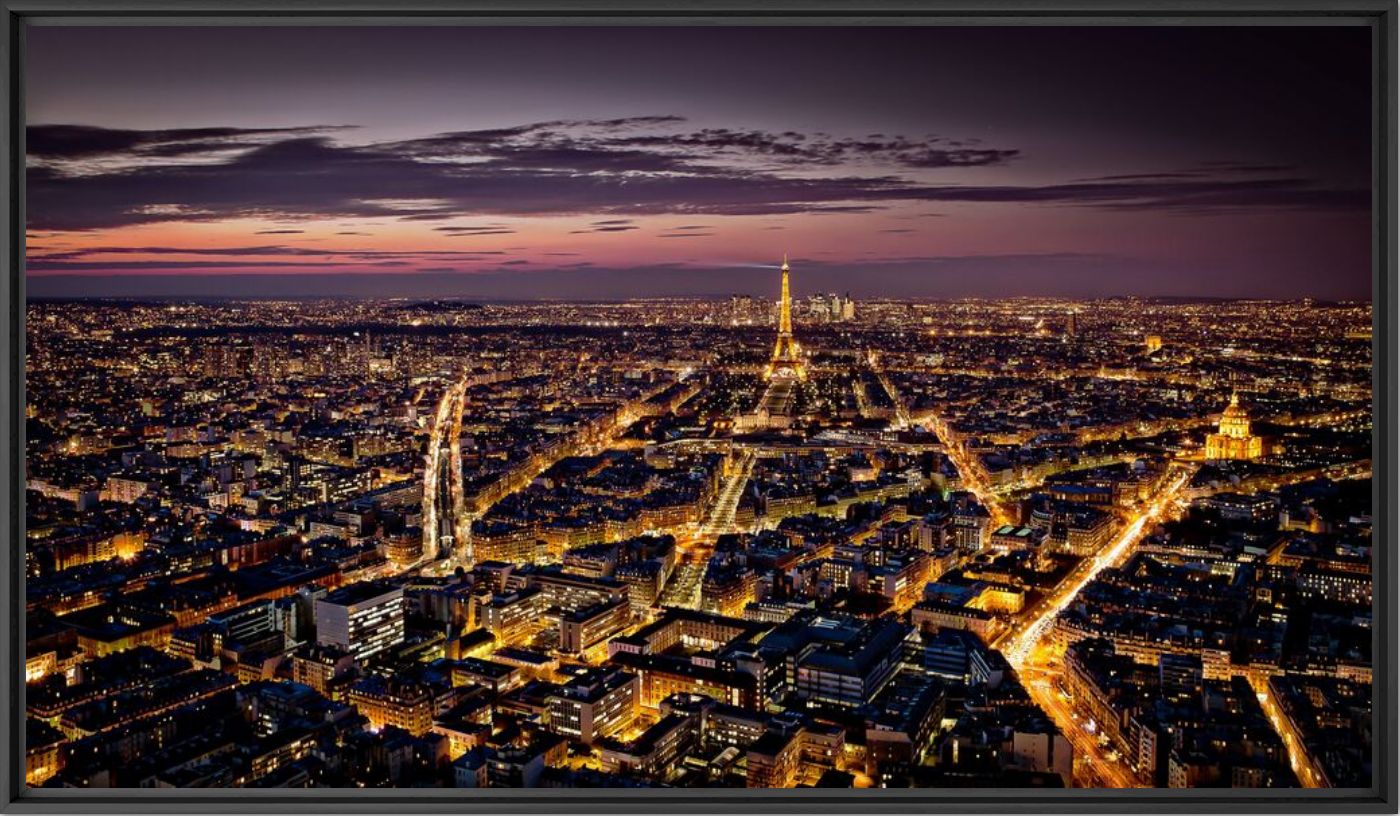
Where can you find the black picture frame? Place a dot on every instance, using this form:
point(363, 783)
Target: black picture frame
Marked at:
point(1379, 15)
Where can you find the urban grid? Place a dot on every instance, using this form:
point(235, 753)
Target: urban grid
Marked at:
point(743, 542)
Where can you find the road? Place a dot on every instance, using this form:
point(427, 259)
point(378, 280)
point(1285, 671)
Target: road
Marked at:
point(460, 518)
point(1023, 645)
point(1092, 766)
point(1022, 639)
point(446, 418)
point(1298, 758)
point(901, 411)
point(445, 436)
point(974, 480)
point(683, 589)
point(721, 517)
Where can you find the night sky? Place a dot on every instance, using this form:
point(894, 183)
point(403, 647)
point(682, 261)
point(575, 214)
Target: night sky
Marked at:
point(612, 162)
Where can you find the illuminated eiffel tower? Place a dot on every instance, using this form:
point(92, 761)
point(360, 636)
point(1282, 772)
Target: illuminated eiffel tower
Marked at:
point(787, 355)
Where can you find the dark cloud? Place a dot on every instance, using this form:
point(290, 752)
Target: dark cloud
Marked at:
point(551, 169)
point(104, 266)
point(469, 231)
point(90, 257)
point(607, 226)
point(85, 141)
point(280, 232)
point(797, 149)
point(468, 228)
point(842, 209)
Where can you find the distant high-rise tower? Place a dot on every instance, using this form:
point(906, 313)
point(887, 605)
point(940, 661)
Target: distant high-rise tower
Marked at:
point(787, 355)
point(1072, 325)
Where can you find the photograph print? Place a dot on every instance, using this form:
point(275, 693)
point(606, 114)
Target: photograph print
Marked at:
point(698, 407)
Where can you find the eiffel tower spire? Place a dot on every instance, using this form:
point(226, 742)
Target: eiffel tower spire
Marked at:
point(787, 361)
point(785, 309)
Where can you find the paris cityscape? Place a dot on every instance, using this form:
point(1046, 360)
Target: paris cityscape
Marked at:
point(1054, 485)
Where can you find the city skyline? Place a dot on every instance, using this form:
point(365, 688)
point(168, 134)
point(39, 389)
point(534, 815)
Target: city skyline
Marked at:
point(819, 543)
point(630, 408)
point(378, 162)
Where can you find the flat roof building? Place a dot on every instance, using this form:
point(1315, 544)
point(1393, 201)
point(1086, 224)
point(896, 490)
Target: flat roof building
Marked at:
point(363, 618)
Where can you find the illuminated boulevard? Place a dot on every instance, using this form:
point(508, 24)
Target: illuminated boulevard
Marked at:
point(1037, 661)
point(970, 473)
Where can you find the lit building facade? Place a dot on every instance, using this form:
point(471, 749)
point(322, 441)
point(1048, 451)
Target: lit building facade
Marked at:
point(362, 618)
point(391, 702)
point(1235, 438)
point(596, 703)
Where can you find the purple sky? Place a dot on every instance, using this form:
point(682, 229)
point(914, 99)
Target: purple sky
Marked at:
point(607, 162)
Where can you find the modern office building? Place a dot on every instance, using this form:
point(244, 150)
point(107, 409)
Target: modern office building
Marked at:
point(363, 618)
point(594, 703)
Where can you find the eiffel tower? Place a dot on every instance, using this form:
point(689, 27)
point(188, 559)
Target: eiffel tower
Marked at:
point(787, 355)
